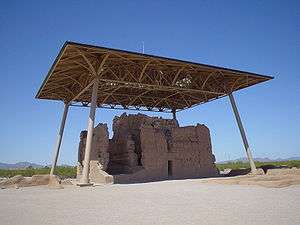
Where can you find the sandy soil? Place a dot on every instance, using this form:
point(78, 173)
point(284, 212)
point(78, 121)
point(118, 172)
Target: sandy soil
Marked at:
point(272, 181)
point(166, 202)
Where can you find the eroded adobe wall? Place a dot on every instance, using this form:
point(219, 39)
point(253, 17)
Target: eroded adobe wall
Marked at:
point(142, 146)
point(154, 152)
point(125, 147)
point(188, 148)
point(191, 152)
point(122, 155)
point(99, 151)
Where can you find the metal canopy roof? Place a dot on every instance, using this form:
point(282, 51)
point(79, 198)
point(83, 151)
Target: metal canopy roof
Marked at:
point(130, 80)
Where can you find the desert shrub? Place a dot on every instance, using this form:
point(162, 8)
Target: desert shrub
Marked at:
point(62, 171)
point(239, 165)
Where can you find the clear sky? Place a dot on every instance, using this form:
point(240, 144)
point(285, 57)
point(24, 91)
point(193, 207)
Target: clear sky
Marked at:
point(257, 36)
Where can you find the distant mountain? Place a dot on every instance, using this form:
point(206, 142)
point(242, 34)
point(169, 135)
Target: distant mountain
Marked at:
point(19, 165)
point(291, 158)
point(261, 160)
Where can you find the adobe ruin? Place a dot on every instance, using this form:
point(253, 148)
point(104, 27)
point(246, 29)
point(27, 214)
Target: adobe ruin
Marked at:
point(146, 149)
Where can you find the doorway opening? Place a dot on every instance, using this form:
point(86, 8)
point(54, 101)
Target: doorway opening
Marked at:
point(170, 168)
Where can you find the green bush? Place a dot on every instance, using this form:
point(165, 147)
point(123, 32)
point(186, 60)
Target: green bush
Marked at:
point(61, 171)
point(70, 172)
point(239, 165)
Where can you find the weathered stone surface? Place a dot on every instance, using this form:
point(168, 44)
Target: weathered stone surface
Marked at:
point(20, 181)
point(40, 179)
point(125, 147)
point(259, 171)
point(3, 179)
point(225, 172)
point(99, 157)
point(13, 181)
point(79, 170)
point(100, 142)
point(285, 171)
point(68, 181)
point(98, 175)
point(55, 182)
point(122, 154)
point(188, 149)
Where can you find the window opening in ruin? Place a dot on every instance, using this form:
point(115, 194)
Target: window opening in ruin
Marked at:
point(170, 168)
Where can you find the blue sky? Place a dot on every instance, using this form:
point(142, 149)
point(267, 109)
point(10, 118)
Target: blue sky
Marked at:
point(257, 36)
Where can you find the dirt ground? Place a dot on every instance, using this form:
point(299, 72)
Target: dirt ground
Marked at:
point(167, 202)
point(274, 178)
point(272, 198)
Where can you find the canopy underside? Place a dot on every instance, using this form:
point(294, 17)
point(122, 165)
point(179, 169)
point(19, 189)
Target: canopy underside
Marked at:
point(131, 80)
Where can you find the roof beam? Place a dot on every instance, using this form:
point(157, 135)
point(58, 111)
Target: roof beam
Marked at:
point(92, 69)
point(177, 74)
point(70, 77)
point(207, 78)
point(163, 99)
point(143, 70)
point(138, 96)
point(83, 90)
point(109, 95)
point(102, 64)
point(158, 87)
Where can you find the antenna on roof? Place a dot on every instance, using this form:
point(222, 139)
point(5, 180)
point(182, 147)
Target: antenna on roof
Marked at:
point(143, 47)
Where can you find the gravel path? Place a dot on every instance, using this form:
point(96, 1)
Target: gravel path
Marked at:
point(167, 202)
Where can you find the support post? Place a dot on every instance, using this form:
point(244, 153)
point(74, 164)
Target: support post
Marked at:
point(174, 114)
point(89, 139)
point(243, 133)
point(59, 138)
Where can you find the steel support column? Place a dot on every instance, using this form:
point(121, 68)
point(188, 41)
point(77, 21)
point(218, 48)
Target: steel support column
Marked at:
point(89, 139)
point(174, 114)
point(243, 133)
point(59, 138)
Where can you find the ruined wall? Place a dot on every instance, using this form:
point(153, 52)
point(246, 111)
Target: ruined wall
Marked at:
point(147, 148)
point(125, 146)
point(100, 144)
point(167, 150)
point(191, 152)
point(123, 157)
point(99, 153)
point(188, 149)
point(155, 152)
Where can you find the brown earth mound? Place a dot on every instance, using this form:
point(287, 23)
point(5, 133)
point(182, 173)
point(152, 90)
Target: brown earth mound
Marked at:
point(275, 178)
point(36, 180)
